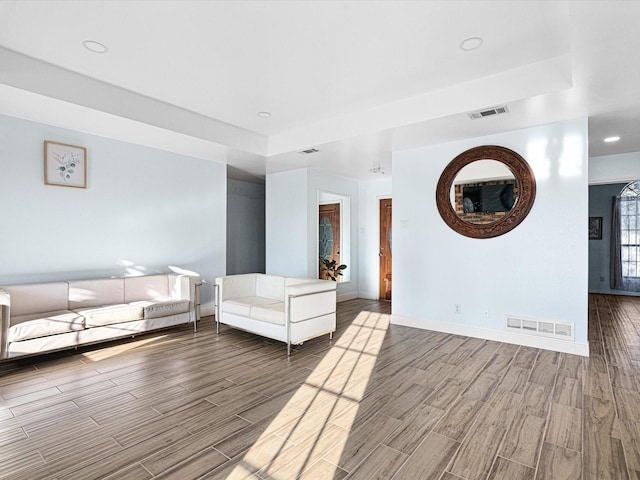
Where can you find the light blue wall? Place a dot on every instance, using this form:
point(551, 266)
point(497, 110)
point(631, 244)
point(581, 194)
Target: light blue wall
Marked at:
point(292, 224)
point(370, 193)
point(538, 270)
point(286, 219)
point(144, 211)
point(245, 227)
point(320, 182)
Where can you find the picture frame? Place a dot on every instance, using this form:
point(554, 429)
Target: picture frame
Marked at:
point(595, 228)
point(65, 165)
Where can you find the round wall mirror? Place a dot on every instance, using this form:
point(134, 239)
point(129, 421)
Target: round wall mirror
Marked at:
point(485, 192)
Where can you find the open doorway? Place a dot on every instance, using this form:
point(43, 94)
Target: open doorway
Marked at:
point(385, 249)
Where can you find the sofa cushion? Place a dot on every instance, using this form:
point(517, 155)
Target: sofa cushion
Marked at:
point(163, 309)
point(110, 314)
point(273, 313)
point(95, 293)
point(270, 286)
point(38, 298)
point(152, 287)
point(39, 325)
point(242, 306)
point(237, 286)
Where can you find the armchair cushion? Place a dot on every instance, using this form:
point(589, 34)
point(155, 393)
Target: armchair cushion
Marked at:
point(238, 286)
point(242, 306)
point(273, 313)
point(270, 286)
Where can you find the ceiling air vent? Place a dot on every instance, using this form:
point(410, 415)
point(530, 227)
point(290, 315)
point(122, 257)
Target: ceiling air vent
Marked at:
point(488, 112)
point(309, 151)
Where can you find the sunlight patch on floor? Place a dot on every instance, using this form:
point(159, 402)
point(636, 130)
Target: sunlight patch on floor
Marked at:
point(303, 432)
point(120, 349)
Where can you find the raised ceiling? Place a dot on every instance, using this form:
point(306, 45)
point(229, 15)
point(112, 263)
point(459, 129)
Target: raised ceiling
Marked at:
point(355, 80)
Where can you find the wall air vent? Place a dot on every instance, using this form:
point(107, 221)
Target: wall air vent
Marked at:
point(309, 151)
point(545, 328)
point(488, 112)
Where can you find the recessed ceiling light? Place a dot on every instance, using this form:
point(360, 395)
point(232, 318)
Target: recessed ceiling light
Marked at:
point(612, 139)
point(95, 47)
point(264, 114)
point(471, 43)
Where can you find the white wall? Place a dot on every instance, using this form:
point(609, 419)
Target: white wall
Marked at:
point(621, 168)
point(538, 270)
point(291, 206)
point(370, 193)
point(144, 211)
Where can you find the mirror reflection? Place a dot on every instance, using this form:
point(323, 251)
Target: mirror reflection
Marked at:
point(489, 213)
point(483, 192)
point(334, 233)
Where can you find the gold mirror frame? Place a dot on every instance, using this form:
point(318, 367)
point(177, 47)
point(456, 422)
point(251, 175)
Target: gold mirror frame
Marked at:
point(524, 179)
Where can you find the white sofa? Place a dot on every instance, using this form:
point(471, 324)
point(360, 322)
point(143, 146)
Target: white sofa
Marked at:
point(43, 317)
point(287, 309)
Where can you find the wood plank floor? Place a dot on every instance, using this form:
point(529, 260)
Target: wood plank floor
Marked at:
point(380, 402)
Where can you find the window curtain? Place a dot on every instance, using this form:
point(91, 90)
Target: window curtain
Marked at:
point(615, 277)
point(624, 233)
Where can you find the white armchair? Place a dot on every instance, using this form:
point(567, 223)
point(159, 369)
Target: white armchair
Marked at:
point(291, 310)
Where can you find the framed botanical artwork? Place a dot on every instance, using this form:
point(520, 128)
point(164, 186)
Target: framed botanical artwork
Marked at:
point(65, 165)
point(595, 228)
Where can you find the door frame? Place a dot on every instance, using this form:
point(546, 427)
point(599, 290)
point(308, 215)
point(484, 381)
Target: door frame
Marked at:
point(377, 232)
point(346, 236)
point(341, 207)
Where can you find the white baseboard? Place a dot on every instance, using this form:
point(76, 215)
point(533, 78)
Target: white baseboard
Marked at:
point(368, 296)
point(346, 296)
point(615, 292)
point(545, 343)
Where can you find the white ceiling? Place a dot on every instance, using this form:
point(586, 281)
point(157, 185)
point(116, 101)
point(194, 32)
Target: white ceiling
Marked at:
point(357, 80)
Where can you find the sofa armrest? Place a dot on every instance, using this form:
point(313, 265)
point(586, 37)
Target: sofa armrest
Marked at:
point(5, 304)
point(309, 300)
point(313, 286)
point(183, 287)
point(5, 298)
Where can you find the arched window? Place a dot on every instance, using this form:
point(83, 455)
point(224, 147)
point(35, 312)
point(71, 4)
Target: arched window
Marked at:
point(631, 189)
point(630, 230)
point(625, 239)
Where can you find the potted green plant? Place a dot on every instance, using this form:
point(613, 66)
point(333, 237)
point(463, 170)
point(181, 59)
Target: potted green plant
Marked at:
point(333, 269)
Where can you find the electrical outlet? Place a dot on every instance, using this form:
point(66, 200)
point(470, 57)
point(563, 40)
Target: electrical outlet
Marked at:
point(457, 309)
